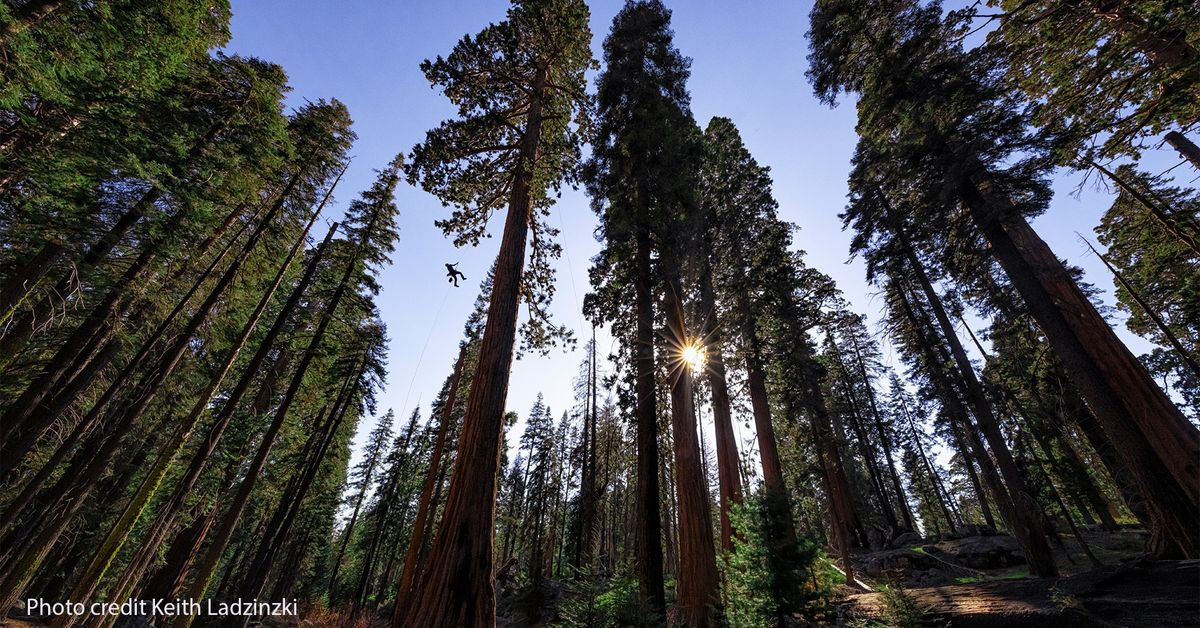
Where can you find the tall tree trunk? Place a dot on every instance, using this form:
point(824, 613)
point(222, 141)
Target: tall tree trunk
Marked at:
point(292, 498)
point(162, 524)
point(348, 532)
point(460, 588)
point(426, 503)
point(1069, 468)
point(1095, 498)
point(1122, 479)
point(81, 478)
point(968, 458)
point(884, 437)
point(937, 356)
point(843, 518)
point(1168, 334)
point(864, 445)
point(290, 568)
point(648, 518)
point(61, 373)
point(585, 549)
point(83, 371)
point(942, 499)
point(728, 476)
point(1028, 529)
point(1160, 448)
point(698, 589)
point(169, 579)
point(26, 325)
point(671, 548)
point(95, 570)
point(224, 529)
point(841, 510)
point(1062, 506)
point(935, 362)
point(585, 488)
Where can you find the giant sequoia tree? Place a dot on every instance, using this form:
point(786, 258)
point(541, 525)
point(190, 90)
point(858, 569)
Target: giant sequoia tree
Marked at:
point(1109, 75)
point(769, 301)
point(519, 88)
point(939, 126)
point(642, 178)
point(185, 366)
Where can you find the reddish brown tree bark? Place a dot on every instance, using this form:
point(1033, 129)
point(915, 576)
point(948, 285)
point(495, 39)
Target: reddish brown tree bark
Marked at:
point(459, 589)
point(425, 503)
point(698, 596)
point(1160, 448)
point(729, 478)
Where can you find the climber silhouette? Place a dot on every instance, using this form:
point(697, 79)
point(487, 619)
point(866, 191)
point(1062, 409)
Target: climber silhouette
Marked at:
point(453, 274)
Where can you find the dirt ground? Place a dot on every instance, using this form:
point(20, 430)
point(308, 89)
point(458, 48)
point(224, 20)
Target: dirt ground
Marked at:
point(1125, 591)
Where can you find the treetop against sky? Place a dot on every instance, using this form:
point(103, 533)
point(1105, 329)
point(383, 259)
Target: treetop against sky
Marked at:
point(748, 64)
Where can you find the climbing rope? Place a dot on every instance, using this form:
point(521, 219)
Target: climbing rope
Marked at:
point(421, 356)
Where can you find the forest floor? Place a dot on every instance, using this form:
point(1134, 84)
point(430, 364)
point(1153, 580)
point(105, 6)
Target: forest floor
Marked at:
point(982, 582)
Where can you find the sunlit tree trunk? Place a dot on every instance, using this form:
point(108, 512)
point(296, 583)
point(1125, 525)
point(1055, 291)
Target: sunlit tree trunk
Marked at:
point(1160, 448)
point(459, 589)
point(728, 475)
point(426, 503)
point(698, 591)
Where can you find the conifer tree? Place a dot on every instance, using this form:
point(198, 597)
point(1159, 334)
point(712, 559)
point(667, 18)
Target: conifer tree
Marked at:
point(1124, 71)
point(362, 478)
point(909, 59)
point(519, 88)
point(642, 178)
point(370, 227)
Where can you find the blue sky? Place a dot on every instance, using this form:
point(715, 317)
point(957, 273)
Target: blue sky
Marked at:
point(748, 62)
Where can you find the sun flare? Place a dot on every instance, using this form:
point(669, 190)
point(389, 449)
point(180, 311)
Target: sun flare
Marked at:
point(693, 355)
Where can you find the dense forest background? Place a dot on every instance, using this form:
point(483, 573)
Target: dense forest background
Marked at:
point(196, 316)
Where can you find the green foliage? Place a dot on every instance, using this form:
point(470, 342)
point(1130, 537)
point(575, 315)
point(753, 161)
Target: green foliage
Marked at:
point(610, 604)
point(1160, 269)
point(646, 156)
point(114, 48)
point(522, 118)
point(1105, 76)
point(766, 580)
point(900, 610)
